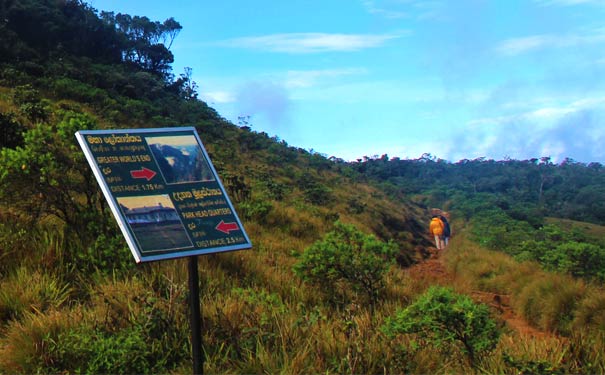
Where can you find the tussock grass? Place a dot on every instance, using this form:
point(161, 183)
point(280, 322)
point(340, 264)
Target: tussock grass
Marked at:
point(24, 346)
point(517, 354)
point(28, 291)
point(548, 301)
point(591, 309)
point(487, 270)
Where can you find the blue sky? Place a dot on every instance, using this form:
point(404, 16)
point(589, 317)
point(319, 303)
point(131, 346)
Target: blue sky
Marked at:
point(458, 79)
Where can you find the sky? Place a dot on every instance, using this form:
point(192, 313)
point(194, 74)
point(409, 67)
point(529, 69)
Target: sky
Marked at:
point(458, 79)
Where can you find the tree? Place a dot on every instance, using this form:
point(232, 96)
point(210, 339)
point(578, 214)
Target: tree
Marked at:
point(144, 40)
point(347, 258)
point(48, 175)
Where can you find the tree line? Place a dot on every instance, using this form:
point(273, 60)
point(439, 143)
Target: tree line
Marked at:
point(528, 189)
point(513, 206)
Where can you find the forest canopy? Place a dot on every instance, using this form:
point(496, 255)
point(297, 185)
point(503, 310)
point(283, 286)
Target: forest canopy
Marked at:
point(39, 30)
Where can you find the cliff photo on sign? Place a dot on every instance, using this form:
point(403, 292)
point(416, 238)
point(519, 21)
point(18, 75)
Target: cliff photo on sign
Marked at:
point(180, 159)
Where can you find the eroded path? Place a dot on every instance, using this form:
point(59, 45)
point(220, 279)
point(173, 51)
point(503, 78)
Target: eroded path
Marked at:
point(432, 271)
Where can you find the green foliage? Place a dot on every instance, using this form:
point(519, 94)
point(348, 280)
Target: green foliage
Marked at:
point(443, 317)
point(578, 259)
point(313, 191)
point(106, 253)
point(150, 343)
point(46, 176)
point(531, 188)
point(15, 239)
point(255, 210)
point(347, 258)
point(30, 103)
point(524, 366)
point(77, 90)
point(494, 229)
point(565, 251)
point(276, 190)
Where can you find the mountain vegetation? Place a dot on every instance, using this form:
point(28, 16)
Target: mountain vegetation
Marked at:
point(510, 204)
point(326, 287)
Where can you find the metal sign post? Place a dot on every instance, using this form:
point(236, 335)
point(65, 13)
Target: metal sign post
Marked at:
point(167, 199)
point(195, 317)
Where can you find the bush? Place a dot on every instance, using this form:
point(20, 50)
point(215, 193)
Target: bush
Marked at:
point(48, 175)
point(578, 259)
point(443, 317)
point(255, 210)
point(347, 258)
point(128, 331)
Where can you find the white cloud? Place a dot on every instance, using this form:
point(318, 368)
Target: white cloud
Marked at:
point(569, 2)
point(399, 9)
point(550, 113)
point(373, 7)
point(310, 42)
point(573, 129)
point(218, 97)
point(546, 113)
point(516, 46)
point(308, 78)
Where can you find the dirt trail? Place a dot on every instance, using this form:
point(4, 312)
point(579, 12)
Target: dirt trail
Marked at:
point(433, 271)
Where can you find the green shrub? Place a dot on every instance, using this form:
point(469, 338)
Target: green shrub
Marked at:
point(107, 253)
point(525, 366)
point(443, 317)
point(255, 209)
point(48, 176)
point(148, 339)
point(347, 259)
point(578, 259)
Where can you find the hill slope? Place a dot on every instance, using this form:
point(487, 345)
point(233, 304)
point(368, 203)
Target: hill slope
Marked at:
point(71, 297)
point(68, 283)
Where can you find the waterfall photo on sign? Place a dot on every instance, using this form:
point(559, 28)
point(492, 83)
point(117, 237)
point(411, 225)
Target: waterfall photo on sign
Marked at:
point(180, 159)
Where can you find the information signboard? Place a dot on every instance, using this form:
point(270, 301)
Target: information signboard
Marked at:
point(164, 192)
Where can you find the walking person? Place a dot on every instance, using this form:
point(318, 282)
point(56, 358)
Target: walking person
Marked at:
point(436, 230)
point(446, 229)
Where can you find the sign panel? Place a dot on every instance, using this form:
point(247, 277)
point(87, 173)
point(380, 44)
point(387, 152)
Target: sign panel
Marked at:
point(164, 192)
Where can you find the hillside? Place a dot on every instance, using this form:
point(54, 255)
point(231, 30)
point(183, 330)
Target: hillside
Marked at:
point(56, 230)
point(327, 286)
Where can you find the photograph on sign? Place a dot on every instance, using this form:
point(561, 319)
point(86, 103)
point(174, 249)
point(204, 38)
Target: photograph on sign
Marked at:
point(154, 222)
point(180, 159)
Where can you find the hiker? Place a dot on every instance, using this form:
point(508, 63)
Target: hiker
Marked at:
point(446, 229)
point(436, 230)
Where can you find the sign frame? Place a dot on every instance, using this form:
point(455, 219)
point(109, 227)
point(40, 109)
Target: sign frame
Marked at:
point(113, 153)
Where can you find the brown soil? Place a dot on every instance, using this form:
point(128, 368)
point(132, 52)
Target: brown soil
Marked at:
point(433, 271)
